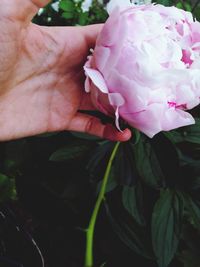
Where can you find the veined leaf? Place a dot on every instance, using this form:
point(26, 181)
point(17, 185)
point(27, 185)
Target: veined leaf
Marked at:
point(130, 233)
point(96, 164)
point(193, 210)
point(132, 201)
point(147, 163)
point(166, 226)
point(68, 153)
point(189, 134)
point(124, 167)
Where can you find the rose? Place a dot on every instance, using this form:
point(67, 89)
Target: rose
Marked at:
point(145, 67)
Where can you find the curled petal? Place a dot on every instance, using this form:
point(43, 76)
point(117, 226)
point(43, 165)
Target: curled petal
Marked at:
point(97, 79)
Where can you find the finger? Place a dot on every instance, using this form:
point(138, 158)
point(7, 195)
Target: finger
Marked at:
point(21, 10)
point(93, 126)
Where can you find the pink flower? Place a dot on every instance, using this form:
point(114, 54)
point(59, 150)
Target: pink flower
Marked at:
point(145, 67)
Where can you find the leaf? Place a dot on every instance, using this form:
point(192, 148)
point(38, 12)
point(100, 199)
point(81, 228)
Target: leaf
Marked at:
point(3, 179)
point(132, 201)
point(147, 163)
point(189, 134)
point(7, 188)
point(196, 13)
point(16, 153)
point(193, 210)
point(124, 166)
point(187, 7)
point(135, 135)
point(85, 136)
point(179, 5)
point(83, 18)
point(67, 15)
point(165, 2)
point(168, 159)
point(67, 6)
point(166, 226)
point(69, 152)
point(129, 233)
point(46, 135)
point(111, 185)
point(97, 164)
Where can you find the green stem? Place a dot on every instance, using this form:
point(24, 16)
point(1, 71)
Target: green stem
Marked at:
point(90, 230)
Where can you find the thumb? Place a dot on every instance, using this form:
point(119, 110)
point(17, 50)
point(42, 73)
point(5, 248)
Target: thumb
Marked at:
point(21, 10)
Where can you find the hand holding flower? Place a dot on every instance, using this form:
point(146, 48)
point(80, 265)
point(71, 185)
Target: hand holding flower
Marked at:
point(41, 76)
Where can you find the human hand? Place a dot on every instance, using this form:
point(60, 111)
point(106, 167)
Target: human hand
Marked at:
point(41, 76)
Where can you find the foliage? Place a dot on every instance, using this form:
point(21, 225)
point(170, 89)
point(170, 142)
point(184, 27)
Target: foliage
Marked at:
point(71, 13)
point(152, 208)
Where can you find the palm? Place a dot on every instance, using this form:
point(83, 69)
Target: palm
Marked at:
point(41, 78)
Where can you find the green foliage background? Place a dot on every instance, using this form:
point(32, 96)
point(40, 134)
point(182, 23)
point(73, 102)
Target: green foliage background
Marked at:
point(152, 210)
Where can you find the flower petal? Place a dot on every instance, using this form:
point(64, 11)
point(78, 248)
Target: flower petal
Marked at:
point(97, 79)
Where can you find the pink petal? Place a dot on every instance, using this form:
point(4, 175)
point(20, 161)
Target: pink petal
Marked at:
point(97, 79)
point(175, 118)
point(101, 57)
point(147, 121)
point(109, 34)
point(135, 95)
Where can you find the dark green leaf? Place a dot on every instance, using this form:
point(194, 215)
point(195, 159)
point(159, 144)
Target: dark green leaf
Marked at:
point(175, 136)
point(147, 163)
point(179, 5)
point(193, 210)
point(99, 159)
point(132, 201)
point(130, 233)
point(85, 136)
point(167, 156)
point(46, 135)
point(135, 136)
point(124, 166)
point(67, 5)
point(187, 7)
point(186, 134)
point(7, 188)
point(83, 18)
point(16, 153)
point(111, 185)
point(68, 15)
point(165, 2)
point(69, 152)
point(184, 5)
point(166, 226)
point(196, 13)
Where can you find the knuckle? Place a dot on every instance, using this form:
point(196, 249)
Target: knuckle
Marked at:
point(91, 125)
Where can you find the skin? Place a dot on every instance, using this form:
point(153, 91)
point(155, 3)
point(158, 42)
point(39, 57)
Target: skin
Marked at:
point(41, 76)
